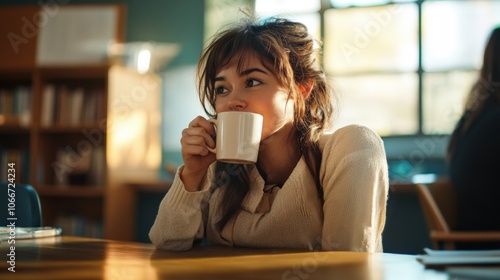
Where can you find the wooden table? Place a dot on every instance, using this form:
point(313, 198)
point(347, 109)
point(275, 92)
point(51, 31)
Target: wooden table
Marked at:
point(83, 258)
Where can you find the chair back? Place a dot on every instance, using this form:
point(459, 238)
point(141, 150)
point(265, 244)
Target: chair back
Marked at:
point(27, 208)
point(439, 205)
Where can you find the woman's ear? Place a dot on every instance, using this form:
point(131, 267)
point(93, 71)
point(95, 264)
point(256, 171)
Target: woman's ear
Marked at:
point(306, 88)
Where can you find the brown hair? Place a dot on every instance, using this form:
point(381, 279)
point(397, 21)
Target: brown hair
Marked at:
point(287, 50)
point(485, 91)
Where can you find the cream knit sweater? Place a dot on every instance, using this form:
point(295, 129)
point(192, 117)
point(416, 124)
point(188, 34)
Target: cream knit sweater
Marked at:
point(354, 178)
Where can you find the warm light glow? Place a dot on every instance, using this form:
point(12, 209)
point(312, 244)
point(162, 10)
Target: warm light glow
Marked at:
point(133, 265)
point(133, 150)
point(153, 157)
point(2, 119)
point(129, 144)
point(143, 60)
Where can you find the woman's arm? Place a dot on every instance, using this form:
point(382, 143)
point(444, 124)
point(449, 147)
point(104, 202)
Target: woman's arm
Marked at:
point(354, 176)
point(181, 217)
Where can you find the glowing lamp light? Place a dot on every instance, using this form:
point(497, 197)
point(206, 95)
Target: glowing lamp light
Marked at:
point(143, 61)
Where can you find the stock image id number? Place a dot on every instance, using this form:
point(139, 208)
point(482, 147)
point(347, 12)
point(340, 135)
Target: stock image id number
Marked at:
point(11, 174)
point(11, 178)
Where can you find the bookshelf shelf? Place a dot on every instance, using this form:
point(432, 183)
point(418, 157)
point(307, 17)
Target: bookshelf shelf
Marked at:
point(14, 130)
point(55, 124)
point(72, 191)
point(69, 129)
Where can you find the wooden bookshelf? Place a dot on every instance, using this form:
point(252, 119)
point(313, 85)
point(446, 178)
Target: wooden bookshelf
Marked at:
point(65, 127)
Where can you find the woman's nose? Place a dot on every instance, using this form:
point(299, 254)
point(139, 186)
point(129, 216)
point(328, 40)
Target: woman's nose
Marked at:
point(236, 102)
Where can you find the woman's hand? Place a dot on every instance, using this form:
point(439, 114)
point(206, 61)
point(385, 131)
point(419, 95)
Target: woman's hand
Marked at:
point(197, 158)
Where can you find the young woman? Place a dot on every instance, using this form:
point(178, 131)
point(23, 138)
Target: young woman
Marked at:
point(308, 189)
point(474, 151)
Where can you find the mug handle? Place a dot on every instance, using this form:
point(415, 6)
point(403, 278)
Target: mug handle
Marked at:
point(214, 121)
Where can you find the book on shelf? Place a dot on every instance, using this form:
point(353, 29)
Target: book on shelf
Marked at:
point(94, 109)
point(76, 106)
point(89, 108)
point(76, 169)
point(72, 106)
point(78, 226)
point(18, 156)
point(48, 100)
point(15, 105)
point(71, 168)
point(97, 168)
point(22, 104)
point(63, 105)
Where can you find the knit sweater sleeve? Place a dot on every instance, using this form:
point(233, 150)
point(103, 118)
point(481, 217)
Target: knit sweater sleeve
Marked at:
point(354, 176)
point(181, 217)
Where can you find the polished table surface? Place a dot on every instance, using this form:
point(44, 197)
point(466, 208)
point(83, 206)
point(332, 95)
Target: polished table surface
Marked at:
point(84, 258)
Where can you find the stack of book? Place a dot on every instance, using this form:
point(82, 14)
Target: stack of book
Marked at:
point(464, 264)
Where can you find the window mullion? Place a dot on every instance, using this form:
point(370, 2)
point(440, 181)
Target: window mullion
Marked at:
point(420, 70)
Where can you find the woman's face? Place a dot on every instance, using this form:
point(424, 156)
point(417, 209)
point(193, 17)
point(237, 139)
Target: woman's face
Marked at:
point(254, 89)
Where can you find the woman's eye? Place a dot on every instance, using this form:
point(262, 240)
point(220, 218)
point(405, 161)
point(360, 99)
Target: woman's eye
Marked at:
point(220, 90)
point(253, 82)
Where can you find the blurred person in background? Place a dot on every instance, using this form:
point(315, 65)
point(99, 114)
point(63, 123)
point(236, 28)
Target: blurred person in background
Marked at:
point(474, 151)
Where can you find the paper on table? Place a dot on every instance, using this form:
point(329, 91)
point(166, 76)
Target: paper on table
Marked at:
point(444, 261)
point(477, 273)
point(456, 257)
point(7, 233)
point(461, 253)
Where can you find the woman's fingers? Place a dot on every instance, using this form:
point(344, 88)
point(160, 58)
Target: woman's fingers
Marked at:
point(204, 123)
point(197, 137)
point(194, 145)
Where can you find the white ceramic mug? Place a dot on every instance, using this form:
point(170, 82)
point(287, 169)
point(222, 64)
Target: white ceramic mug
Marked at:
point(238, 137)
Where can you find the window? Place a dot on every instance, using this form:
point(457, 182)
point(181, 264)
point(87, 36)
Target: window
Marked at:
point(307, 12)
point(401, 67)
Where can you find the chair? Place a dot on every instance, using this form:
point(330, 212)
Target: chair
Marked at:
point(27, 209)
point(439, 205)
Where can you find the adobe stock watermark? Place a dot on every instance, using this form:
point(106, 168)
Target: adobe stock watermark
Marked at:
point(31, 26)
point(363, 36)
point(480, 96)
point(75, 156)
point(309, 264)
point(426, 148)
point(221, 178)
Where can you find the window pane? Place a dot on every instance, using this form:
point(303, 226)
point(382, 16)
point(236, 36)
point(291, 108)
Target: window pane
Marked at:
point(311, 21)
point(220, 13)
point(274, 7)
point(305, 12)
point(444, 98)
point(371, 39)
point(385, 103)
point(454, 33)
point(348, 3)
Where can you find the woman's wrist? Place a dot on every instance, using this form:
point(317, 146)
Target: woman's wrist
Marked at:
point(191, 180)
